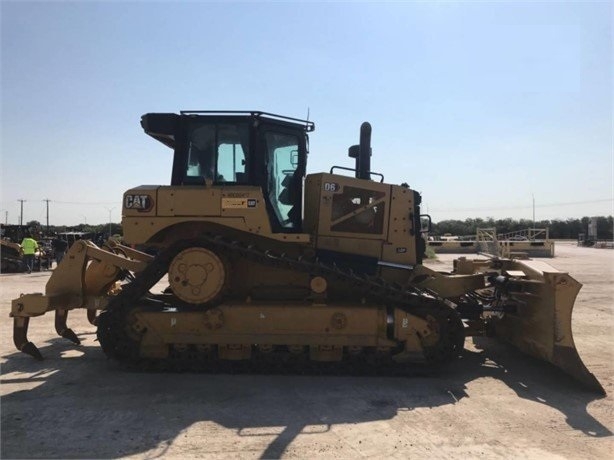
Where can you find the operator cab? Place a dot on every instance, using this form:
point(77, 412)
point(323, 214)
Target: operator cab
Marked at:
point(232, 148)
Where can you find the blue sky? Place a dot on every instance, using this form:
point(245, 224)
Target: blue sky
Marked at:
point(477, 105)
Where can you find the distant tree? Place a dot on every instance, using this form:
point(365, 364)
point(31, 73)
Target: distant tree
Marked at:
point(564, 229)
point(454, 227)
point(604, 227)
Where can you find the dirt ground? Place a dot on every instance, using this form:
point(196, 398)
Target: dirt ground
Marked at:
point(492, 403)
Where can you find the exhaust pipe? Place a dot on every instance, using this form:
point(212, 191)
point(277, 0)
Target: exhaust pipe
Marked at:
point(362, 152)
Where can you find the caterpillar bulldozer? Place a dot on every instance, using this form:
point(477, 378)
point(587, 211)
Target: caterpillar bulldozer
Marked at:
point(267, 266)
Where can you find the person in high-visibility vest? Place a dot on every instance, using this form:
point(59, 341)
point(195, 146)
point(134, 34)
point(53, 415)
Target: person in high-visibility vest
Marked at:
point(29, 247)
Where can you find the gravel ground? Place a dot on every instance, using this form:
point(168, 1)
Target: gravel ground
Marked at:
point(492, 403)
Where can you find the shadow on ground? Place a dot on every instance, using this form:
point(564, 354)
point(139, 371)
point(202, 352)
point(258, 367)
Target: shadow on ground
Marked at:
point(86, 406)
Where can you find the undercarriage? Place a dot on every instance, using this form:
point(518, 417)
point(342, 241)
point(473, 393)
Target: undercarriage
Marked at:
point(328, 315)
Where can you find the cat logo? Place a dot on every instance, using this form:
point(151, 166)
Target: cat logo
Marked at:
point(138, 202)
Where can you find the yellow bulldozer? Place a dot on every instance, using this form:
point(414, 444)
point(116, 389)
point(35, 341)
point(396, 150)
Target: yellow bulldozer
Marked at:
point(267, 266)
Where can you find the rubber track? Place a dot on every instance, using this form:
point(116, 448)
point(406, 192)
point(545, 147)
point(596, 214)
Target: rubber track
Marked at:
point(118, 345)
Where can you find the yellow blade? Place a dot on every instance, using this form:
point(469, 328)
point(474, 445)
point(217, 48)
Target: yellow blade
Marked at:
point(541, 327)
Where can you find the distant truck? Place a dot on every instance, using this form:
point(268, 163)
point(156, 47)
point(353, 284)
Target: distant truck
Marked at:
point(71, 237)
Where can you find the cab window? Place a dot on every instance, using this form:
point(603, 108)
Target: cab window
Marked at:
point(282, 164)
point(217, 152)
point(357, 210)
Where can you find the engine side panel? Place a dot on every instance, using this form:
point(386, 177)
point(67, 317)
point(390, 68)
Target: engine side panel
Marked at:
point(240, 208)
point(362, 218)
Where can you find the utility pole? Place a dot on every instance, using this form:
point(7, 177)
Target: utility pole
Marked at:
point(47, 200)
point(533, 196)
point(6, 217)
point(21, 213)
point(110, 210)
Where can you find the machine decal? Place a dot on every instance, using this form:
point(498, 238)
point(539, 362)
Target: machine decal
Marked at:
point(238, 203)
point(237, 194)
point(138, 202)
point(401, 250)
point(331, 187)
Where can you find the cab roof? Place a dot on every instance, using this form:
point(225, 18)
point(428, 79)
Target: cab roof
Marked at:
point(164, 126)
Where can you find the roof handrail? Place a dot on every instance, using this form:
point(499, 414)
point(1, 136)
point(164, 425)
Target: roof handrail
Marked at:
point(309, 125)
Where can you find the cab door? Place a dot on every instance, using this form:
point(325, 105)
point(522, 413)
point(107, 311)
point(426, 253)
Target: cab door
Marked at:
point(283, 153)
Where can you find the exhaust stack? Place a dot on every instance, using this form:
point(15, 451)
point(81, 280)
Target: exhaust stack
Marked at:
point(362, 152)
